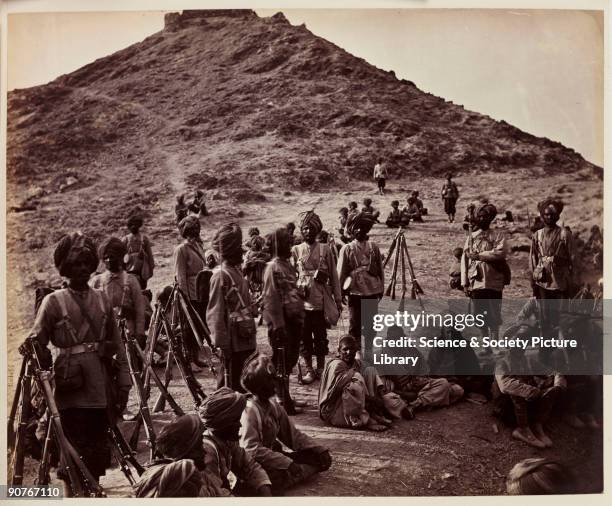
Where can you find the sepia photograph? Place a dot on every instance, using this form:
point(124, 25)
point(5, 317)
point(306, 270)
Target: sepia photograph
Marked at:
point(209, 212)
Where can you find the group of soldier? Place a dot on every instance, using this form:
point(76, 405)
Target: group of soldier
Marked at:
point(300, 288)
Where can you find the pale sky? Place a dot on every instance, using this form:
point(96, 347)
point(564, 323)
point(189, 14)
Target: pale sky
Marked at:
point(541, 71)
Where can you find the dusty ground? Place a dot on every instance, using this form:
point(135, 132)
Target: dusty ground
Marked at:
point(450, 451)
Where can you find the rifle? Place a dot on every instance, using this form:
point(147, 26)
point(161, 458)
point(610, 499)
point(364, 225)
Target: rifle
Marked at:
point(162, 388)
point(43, 468)
point(176, 354)
point(25, 389)
point(129, 343)
point(283, 377)
point(124, 454)
point(10, 433)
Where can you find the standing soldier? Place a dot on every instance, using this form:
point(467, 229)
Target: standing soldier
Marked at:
point(317, 279)
point(79, 323)
point(140, 256)
point(380, 175)
point(484, 271)
point(230, 313)
point(188, 263)
point(450, 194)
point(361, 275)
point(551, 264)
point(121, 289)
point(283, 311)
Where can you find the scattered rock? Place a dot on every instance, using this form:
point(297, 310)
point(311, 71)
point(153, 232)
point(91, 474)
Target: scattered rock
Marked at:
point(34, 193)
point(36, 243)
point(70, 181)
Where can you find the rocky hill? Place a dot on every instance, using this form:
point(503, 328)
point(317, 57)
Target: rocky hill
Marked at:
point(231, 97)
point(242, 107)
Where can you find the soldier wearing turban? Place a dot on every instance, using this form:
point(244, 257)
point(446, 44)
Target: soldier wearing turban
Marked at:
point(262, 440)
point(72, 248)
point(80, 324)
point(221, 413)
point(180, 472)
point(361, 276)
point(121, 288)
point(228, 242)
point(317, 279)
point(139, 259)
point(283, 310)
point(230, 313)
point(188, 262)
point(552, 265)
point(450, 194)
point(484, 270)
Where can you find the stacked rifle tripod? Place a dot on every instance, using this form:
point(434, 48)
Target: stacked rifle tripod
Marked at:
point(402, 264)
point(172, 319)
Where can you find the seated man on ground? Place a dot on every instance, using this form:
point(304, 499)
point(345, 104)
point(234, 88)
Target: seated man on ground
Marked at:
point(352, 395)
point(523, 399)
point(394, 219)
point(369, 209)
point(419, 203)
point(266, 426)
point(411, 211)
point(419, 391)
point(221, 412)
point(180, 471)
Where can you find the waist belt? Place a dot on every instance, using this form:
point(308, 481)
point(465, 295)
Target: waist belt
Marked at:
point(80, 348)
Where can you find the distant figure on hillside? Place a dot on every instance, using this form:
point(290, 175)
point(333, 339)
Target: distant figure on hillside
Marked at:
point(181, 209)
point(380, 175)
point(450, 194)
point(198, 206)
point(140, 261)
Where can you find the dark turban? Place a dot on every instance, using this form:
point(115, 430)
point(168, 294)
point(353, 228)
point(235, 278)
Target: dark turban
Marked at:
point(557, 205)
point(539, 476)
point(222, 408)
point(179, 437)
point(188, 223)
point(135, 221)
point(365, 221)
point(489, 210)
point(253, 231)
point(175, 479)
point(279, 242)
point(256, 370)
point(112, 246)
point(228, 240)
point(69, 248)
point(311, 219)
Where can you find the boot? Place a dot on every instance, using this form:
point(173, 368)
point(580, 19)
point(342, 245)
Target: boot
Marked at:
point(309, 377)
